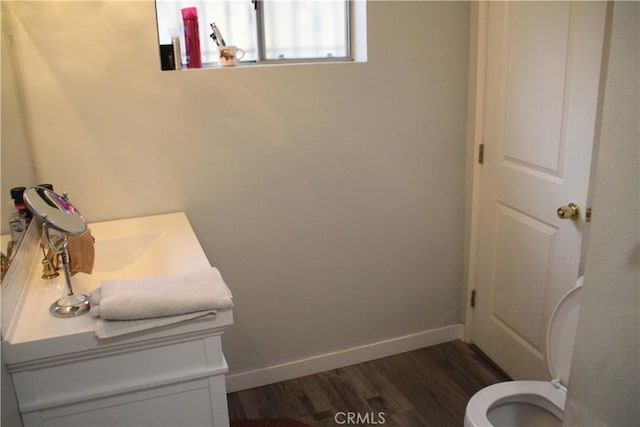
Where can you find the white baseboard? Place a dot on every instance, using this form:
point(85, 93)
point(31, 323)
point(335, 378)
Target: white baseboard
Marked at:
point(338, 359)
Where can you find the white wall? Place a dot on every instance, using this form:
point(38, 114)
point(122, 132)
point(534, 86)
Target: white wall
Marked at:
point(17, 167)
point(330, 196)
point(16, 170)
point(604, 388)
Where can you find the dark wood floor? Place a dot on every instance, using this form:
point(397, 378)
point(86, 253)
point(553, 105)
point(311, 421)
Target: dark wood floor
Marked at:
point(425, 387)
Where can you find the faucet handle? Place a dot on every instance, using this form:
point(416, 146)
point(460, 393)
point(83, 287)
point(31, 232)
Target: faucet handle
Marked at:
point(48, 270)
point(5, 262)
point(49, 263)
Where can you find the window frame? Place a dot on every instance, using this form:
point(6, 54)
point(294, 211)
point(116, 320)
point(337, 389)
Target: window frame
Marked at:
point(351, 9)
point(262, 49)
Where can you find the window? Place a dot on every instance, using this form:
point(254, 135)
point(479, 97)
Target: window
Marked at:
point(267, 30)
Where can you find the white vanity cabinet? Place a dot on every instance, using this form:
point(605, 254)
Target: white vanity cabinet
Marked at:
point(173, 377)
point(167, 376)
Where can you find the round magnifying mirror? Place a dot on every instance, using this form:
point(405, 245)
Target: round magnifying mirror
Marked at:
point(57, 213)
point(55, 210)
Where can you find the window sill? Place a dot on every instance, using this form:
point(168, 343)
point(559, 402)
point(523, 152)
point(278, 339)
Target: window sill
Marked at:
point(269, 64)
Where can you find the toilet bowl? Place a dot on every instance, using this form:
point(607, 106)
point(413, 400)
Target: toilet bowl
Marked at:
point(533, 403)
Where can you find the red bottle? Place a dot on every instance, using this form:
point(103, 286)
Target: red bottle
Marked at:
point(192, 37)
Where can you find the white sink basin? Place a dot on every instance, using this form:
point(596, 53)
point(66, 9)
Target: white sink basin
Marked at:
point(125, 249)
point(122, 254)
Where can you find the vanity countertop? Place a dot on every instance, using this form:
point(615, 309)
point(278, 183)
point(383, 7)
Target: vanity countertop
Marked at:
point(151, 246)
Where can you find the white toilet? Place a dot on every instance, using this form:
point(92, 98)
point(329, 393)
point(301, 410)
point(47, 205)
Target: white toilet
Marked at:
point(533, 403)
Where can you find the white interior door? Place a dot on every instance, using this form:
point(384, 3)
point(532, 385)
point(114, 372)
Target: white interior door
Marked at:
point(541, 91)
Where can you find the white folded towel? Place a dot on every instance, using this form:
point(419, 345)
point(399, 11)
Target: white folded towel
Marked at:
point(115, 328)
point(154, 297)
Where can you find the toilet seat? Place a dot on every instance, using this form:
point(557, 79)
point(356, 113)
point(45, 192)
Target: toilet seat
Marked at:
point(550, 396)
point(543, 394)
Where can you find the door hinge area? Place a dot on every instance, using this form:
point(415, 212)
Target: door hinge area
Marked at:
point(472, 303)
point(481, 154)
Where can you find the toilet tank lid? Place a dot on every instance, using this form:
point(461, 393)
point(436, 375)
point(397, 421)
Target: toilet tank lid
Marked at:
point(561, 334)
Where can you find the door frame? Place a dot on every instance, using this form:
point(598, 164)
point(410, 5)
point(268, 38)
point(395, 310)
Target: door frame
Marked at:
point(473, 172)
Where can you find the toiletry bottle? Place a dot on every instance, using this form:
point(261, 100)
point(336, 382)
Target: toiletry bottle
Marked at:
point(18, 226)
point(18, 220)
point(17, 194)
point(192, 37)
point(175, 42)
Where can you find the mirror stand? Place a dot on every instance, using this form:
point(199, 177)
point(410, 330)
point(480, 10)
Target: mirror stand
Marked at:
point(69, 305)
point(58, 215)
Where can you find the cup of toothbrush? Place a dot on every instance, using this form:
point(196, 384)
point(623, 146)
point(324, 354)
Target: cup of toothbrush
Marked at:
point(228, 56)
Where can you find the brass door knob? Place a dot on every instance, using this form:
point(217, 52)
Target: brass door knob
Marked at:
point(570, 211)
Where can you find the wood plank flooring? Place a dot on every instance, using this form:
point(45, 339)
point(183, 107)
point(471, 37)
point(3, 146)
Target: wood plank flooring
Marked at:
point(425, 387)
